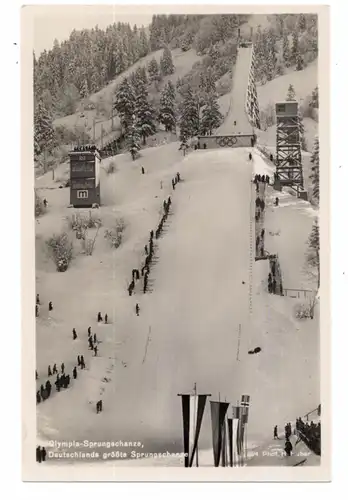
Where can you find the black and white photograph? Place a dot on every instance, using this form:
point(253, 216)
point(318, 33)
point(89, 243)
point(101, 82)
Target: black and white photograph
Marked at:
point(177, 206)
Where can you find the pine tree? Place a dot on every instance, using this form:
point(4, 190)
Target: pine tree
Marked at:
point(211, 116)
point(313, 257)
point(144, 112)
point(189, 118)
point(315, 171)
point(133, 138)
point(141, 74)
point(315, 98)
point(301, 23)
point(84, 89)
point(294, 48)
point(291, 93)
point(167, 65)
point(44, 139)
point(286, 50)
point(301, 131)
point(153, 70)
point(125, 103)
point(299, 62)
point(143, 43)
point(167, 107)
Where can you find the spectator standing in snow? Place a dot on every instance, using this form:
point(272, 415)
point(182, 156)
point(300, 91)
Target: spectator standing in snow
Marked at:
point(50, 306)
point(137, 309)
point(106, 318)
point(74, 372)
point(74, 334)
point(275, 432)
point(288, 447)
point(100, 317)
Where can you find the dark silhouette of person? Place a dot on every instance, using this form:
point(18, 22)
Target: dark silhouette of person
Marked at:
point(36, 375)
point(145, 248)
point(100, 317)
point(45, 202)
point(106, 318)
point(54, 369)
point(250, 156)
point(205, 146)
point(50, 306)
point(276, 202)
point(38, 397)
point(142, 170)
point(38, 454)
point(37, 299)
point(74, 372)
point(95, 338)
point(49, 371)
point(89, 330)
point(62, 367)
point(288, 447)
point(95, 351)
point(74, 334)
point(137, 309)
point(82, 363)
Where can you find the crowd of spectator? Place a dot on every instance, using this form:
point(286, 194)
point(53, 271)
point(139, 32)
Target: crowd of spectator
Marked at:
point(310, 434)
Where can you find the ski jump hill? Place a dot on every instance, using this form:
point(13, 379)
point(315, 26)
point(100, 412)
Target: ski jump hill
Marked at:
point(243, 115)
point(195, 324)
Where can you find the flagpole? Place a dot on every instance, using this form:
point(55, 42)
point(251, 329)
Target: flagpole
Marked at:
point(194, 412)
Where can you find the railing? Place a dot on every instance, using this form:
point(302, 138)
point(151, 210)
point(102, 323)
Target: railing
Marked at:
point(296, 293)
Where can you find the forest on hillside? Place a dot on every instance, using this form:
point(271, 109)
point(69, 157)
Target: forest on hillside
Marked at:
point(80, 66)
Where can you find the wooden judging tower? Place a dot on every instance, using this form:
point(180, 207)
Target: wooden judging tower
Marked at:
point(289, 162)
point(85, 177)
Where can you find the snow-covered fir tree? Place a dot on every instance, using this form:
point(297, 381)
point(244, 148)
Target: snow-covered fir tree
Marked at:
point(144, 112)
point(315, 172)
point(302, 131)
point(291, 93)
point(294, 48)
point(167, 65)
point(189, 116)
point(133, 138)
point(286, 50)
point(141, 74)
point(167, 107)
point(313, 257)
point(154, 71)
point(299, 63)
point(143, 43)
point(315, 98)
point(43, 130)
point(84, 92)
point(125, 103)
point(211, 116)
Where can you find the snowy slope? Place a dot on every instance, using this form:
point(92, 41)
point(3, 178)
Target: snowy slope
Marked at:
point(238, 96)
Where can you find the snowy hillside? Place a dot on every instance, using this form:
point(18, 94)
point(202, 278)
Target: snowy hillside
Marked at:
point(143, 362)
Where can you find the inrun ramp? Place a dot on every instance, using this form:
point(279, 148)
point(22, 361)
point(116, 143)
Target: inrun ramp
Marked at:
point(243, 105)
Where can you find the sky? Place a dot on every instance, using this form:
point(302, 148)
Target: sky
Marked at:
point(59, 21)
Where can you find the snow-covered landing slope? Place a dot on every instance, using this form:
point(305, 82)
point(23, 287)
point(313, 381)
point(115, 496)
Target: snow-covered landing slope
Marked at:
point(188, 327)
